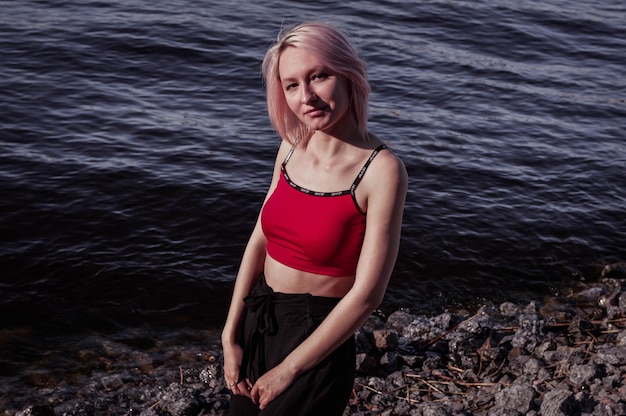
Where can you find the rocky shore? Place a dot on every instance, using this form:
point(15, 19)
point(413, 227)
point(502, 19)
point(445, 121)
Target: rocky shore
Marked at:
point(558, 356)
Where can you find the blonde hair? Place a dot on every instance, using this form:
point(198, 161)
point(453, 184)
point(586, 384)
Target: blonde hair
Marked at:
point(332, 47)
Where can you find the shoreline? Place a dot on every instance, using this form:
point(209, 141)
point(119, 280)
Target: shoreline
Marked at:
point(559, 356)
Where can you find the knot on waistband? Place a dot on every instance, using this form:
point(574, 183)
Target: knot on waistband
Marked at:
point(262, 306)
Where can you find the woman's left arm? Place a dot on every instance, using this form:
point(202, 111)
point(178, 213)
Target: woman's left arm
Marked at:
point(385, 187)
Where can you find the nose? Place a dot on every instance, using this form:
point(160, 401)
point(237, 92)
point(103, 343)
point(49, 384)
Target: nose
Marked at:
point(308, 95)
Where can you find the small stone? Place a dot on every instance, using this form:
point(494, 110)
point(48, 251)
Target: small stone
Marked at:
point(366, 364)
point(385, 339)
point(612, 355)
point(582, 374)
point(431, 362)
point(509, 309)
point(399, 320)
point(112, 382)
point(558, 402)
point(389, 362)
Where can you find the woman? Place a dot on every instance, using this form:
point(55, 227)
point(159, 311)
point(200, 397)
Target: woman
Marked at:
point(312, 272)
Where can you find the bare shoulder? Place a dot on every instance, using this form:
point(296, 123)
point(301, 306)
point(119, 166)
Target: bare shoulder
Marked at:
point(386, 180)
point(387, 162)
point(388, 168)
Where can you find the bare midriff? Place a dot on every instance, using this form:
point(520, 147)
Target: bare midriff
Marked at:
point(285, 279)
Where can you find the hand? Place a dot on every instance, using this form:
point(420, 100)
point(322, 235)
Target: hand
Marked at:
point(242, 388)
point(233, 355)
point(270, 386)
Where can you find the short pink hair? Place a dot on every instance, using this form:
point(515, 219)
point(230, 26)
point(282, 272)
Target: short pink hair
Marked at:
point(332, 47)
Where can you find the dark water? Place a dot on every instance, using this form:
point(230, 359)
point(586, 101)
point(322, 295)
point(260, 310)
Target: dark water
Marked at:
point(135, 151)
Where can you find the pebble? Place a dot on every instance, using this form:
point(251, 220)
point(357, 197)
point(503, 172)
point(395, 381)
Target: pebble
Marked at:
point(557, 356)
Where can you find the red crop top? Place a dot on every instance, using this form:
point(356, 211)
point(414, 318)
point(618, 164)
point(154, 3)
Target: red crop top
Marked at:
point(317, 232)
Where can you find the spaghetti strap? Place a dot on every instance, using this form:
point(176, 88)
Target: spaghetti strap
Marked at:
point(289, 155)
point(365, 166)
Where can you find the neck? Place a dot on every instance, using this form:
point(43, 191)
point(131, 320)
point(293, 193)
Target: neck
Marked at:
point(345, 132)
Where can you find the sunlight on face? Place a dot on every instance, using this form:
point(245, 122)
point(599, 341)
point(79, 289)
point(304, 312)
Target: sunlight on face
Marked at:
point(317, 95)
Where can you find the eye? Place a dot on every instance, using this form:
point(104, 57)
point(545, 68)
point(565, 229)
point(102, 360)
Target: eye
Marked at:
point(320, 76)
point(289, 87)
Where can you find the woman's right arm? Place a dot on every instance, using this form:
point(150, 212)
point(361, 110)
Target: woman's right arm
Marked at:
point(249, 270)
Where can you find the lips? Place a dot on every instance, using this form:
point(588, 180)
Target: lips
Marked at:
point(315, 112)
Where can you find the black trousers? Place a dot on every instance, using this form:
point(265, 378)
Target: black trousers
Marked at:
point(275, 324)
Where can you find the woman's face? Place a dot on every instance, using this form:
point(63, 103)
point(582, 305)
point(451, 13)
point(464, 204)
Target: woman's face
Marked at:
point(316, 95)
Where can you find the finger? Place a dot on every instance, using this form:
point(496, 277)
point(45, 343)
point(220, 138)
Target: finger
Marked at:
point(245, 389)
point(240, 388)
point(265, 397)
point(263, 403)
point(254, 394)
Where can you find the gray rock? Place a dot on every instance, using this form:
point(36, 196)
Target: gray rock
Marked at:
point(112, 382)
point(581, 374)
point(611, 355)
point(431, 362)
point(433, 409)
point(366, 364)
point(517, 397)
point(558, 402)
point(399, 320)
point(389, 362)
